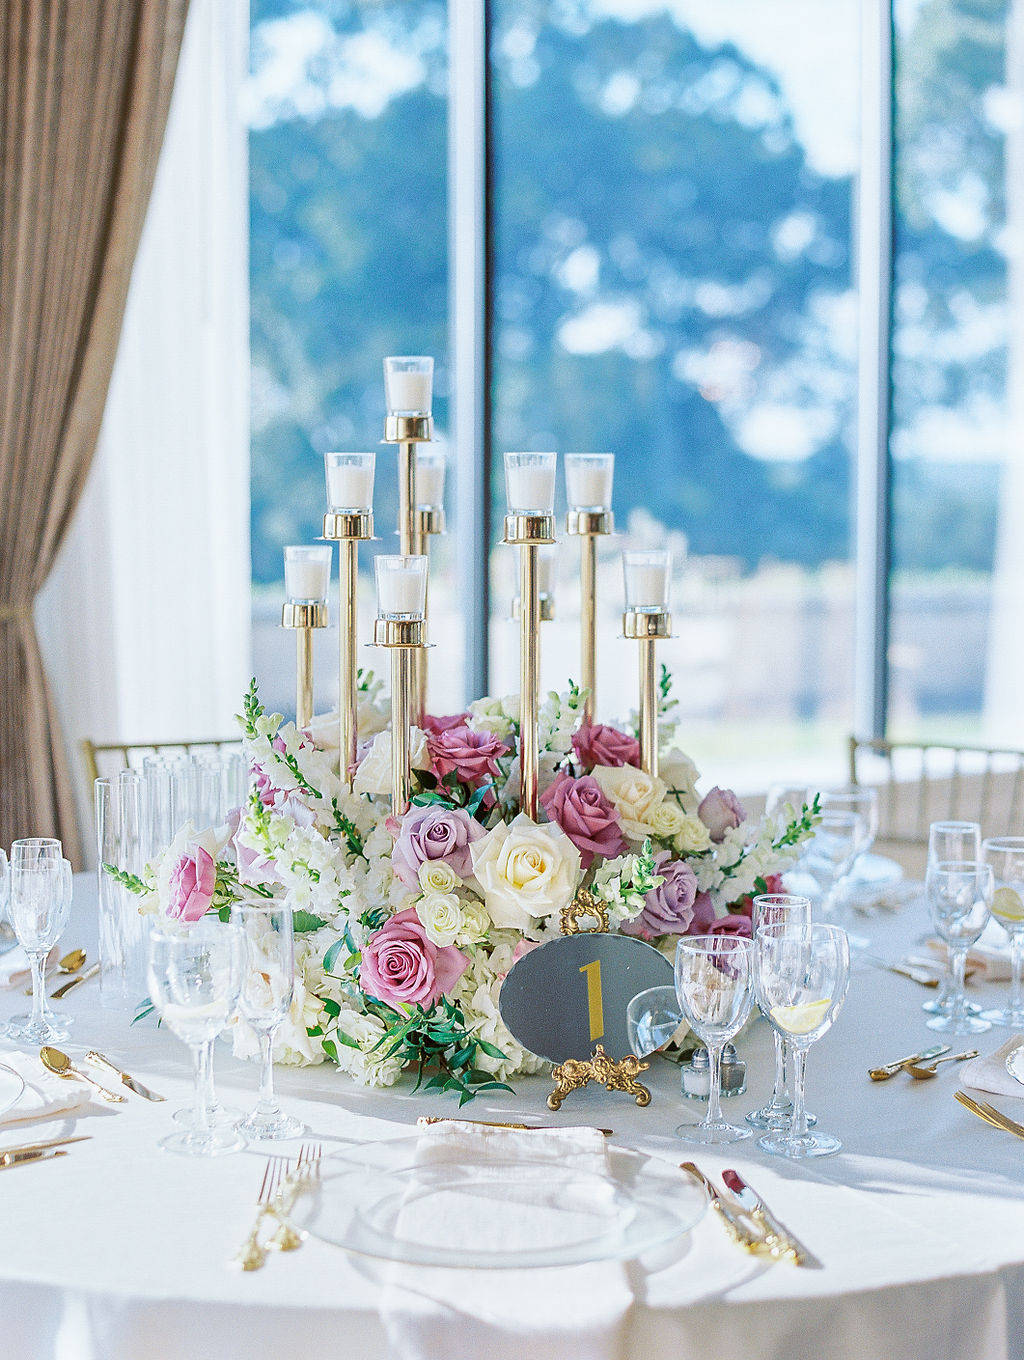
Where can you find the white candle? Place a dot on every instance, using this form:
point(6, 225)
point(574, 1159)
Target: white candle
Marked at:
point(408, 384)
point(430, 468)
point(530, 483)
point(588, 480)
point(647, 577)
point(350, 481)
point(401, 585)
point(307, 572)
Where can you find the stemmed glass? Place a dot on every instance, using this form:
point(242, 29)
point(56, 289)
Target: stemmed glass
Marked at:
point(948, 842)
point(849, 814)
point(195, 975)
point(713, 975)
point(801, 974)
point(652, 1017)
point(1005, 855)
point(770, 909)
point(268, 985)
point(40, 903)
point(959, 896)
point(831, 853)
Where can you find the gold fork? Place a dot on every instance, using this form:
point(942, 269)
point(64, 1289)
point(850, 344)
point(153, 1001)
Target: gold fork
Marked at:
point(307, 1170)
point(253, 1253)
point(990, 1114)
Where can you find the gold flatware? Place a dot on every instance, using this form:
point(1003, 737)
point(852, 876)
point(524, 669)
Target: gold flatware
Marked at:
point(75, 981)
point(50, 1143)
point(926, 1071)
point(425, 1120)
point(733, 1219)
point(307, 1170)
point(70, 963)
point(905, 968)
point(61, 1065)
point(124, 1078)
point(253, 1254)
point(9, 1159)
point(778, 1238)
point(888, 1070)
point(990, 1114)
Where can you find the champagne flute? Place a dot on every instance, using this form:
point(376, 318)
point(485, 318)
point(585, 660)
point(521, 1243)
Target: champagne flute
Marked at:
point(801, 975)
point(713, 986)
point(40, 903)
point(652, 1017)
point(959, 897)
point(268, 986)
point(771, 909)
point(948, 842)
point(195, 975)
point(1005, 855)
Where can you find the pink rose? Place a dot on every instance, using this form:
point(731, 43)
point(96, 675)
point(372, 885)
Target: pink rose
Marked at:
point(603, 745)
point(472, 755)
point(586, 816)
point(668, 908)
point(705, 922)
point(435, 726)
point(428, 833)
point(720, 811)
point(401, 967)
point(192, 882)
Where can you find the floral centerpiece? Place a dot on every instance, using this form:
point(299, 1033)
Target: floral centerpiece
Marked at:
point(406, 926)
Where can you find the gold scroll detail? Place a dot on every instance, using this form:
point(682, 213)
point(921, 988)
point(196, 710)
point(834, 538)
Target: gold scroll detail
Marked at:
point(614, 1074)
point(583, 904)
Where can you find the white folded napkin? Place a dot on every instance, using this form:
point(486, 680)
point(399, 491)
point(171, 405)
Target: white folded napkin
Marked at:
point(517, 1314)
point(990, 1074)
point(15, 969)
point(45, 1096)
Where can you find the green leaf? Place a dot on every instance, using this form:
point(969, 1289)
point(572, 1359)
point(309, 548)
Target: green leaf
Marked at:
point(305, 920)
point(328, 1047)
point(331, 1007)
point(332, 953)
point(144, 1008)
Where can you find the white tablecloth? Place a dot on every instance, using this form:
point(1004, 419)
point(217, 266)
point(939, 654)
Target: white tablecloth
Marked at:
point(120, 1251)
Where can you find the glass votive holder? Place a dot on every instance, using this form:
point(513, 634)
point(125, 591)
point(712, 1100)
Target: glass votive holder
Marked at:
point(401, 586)
point(408, 384)
point(588, 481)
point(647, 577)
point(696, 1074)
point(349, 482)
point(307, 573)
point(530, 483)
point(430, 469)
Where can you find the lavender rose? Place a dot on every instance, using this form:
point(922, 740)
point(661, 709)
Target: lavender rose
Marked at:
point(668, 908)
point(401, 966)
point(586, 816)
point(432, 833)
point(720, 811)
point(192, 882)
point(599, 744)
point(472, 755)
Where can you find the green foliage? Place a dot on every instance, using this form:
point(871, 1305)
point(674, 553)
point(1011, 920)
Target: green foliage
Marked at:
point(800, 826)
point(348, 832)
point(437, 1042)
point(132, 882)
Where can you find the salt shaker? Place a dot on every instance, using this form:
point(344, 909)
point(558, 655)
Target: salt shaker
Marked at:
point(696, 1074)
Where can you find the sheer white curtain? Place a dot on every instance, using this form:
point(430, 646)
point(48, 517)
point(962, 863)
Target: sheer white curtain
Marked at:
point(145, 622)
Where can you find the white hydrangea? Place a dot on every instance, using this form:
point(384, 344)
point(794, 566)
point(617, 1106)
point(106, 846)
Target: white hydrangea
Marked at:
point(360, 1057)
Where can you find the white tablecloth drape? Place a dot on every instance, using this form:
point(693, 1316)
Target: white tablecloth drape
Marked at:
point(120, 1251)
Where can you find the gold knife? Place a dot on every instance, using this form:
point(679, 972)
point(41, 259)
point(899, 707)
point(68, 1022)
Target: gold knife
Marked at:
point(125, 1078)
point(780, 1241)
point(75, 981)
point(9, 1159)
point(50, 1143)
point(426, 1119)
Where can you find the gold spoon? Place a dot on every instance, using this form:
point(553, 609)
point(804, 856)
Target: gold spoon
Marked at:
point(70, 963)
point(60, 1064)
point(924, 1073)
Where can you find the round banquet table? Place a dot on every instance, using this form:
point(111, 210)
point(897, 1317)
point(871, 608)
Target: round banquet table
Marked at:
point(120, 1251)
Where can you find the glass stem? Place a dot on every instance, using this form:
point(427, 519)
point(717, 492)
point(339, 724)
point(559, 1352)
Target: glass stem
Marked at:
point(958, 966)
point(38, 962)
point(267, 1102)
point(779, 1094)
point(799, 1126)
point(202, 1058)
point(1016, 967)
point(714, 1114)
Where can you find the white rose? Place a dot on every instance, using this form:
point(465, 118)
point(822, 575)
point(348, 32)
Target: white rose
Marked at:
point(475, 922)
point(490, 715)
point(436, 876)
point(526, 871)
point(440, 915)
point(692, 837)
point(680, 774)
point(665, 820)
point(632, 794)
point(374, 773)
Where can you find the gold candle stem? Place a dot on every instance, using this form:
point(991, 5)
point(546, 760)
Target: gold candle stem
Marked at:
point(303, 677)
point(406, 497)
point(648, 707)
point(420, 548)
point(401, 697)
point(529, 678)
point(348, 704)
point(588, 623)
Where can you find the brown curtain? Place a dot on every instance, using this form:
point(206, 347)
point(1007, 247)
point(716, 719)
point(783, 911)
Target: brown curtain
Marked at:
point(84, 91)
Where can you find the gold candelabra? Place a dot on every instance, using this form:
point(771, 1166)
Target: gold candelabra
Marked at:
point(303, 616)
point(348, 529)
point(401, 594)
point(589, 526)
point(529, 532)
point(407, 431)
point(645, 627)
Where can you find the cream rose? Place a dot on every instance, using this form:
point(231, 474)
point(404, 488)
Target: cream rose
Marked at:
point(526, 871)
point(692, 837)
point(436, 876)
point(475, 922)
point(633, 795)
point(440, 914)
point(374, 773)
point(665, 820)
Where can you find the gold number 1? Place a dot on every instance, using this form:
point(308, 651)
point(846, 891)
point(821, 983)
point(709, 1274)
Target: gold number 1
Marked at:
point(595, 1004)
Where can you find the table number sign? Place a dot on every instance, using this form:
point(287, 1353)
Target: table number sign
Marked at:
point(566, 1001)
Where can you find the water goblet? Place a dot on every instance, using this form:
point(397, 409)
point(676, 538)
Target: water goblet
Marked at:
point(652, 1017)
point(195, 974)
point(268, 986)
point(1005, 855)
point(801, 975)
point(713, 974)
point(959, 896)
point(40, 903)
point(831, 853)
point(951, 842)
point(771, 909)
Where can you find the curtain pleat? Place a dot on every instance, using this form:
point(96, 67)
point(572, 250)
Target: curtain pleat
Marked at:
point(86, 86)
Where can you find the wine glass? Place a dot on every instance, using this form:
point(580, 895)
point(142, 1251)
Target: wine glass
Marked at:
point(801, 975)
point(949, 842)
point(40, 903)
point(195, 975)
point(959, 896)
point(861, 802)
point(32, 849)
point(1005, 855)
point(652, 1017)
point(831, 853)
point(713, 986)
point(771, 909)
point(268, 985)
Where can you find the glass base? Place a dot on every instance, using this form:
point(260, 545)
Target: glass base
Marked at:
point(221, 1116)
point(711, 1133)
point(781, 1144)
point(966, 1024)
point(776, 1117)
point(21, 1030)
point(1004, 1019)
point(937, 1007)
point(215, 1143)
point(258, 1127)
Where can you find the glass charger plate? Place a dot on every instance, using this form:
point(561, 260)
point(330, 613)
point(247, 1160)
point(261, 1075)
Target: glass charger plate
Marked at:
point(494, 1214)
point(11, 1088)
